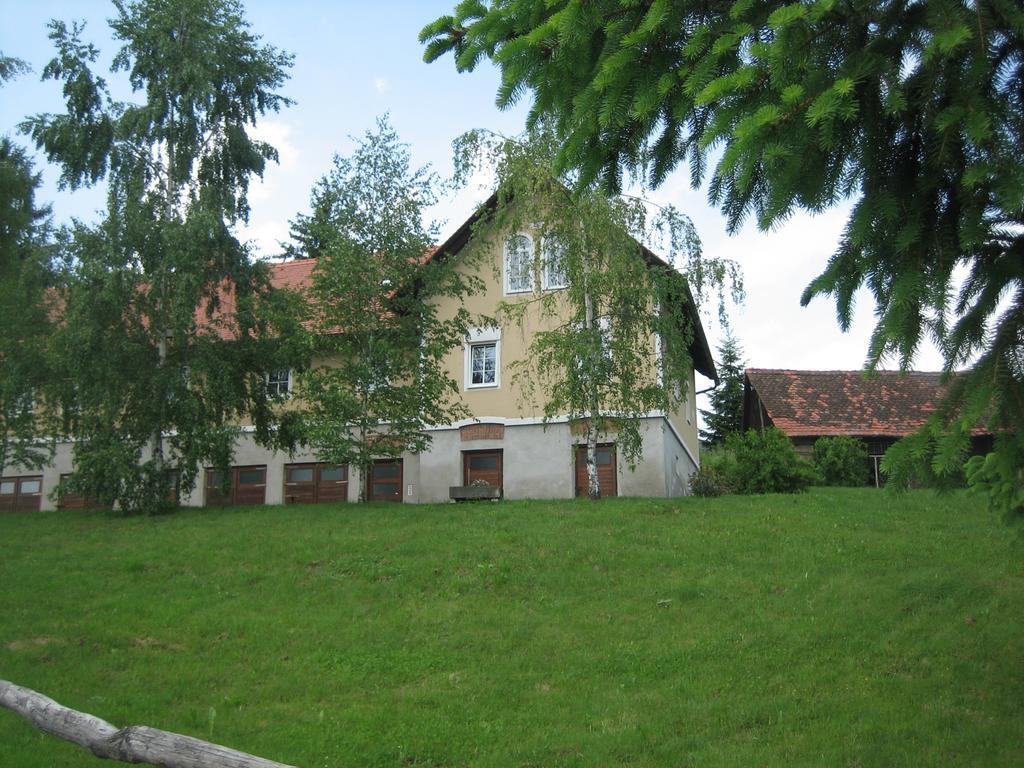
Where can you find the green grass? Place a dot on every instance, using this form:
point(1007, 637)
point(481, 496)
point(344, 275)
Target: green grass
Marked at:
point(836, 628)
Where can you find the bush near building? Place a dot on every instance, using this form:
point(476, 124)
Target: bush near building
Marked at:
point(841, 460)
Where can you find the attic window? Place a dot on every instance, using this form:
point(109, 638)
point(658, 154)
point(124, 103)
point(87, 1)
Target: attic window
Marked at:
point(554, 276)
point(279, 382)
point(518, 264)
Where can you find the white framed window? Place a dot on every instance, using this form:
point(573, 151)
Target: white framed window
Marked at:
point(483, 358)
point(519, 264)
point(553, 273)
point(279, 382)
point(24, 403)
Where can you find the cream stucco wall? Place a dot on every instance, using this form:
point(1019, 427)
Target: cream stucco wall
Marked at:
point(507, 399)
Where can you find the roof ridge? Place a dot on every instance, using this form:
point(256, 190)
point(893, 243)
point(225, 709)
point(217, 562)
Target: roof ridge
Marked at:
point(858, 371)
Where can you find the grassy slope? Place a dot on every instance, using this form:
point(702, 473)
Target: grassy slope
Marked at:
point(836, 628)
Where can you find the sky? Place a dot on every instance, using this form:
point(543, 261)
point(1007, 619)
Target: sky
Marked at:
point(357, 61)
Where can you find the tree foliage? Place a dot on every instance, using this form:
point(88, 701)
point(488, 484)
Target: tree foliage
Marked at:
point(26, 276)
point(841, 460)
point(913, 111)
point(619, 347)
point(378, 332)
point(166, 320)
point(725, 416)
point(766, 462)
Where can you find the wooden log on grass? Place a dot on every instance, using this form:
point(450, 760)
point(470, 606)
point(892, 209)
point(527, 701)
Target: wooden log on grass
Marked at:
point(134, 744)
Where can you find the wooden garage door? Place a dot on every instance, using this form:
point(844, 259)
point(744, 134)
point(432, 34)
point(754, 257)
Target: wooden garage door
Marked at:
point(607, 477)
point(21, 494)
point(482, 465)
point(75, 500)
point(385, 480)
point(315, 483)
point(246, 485)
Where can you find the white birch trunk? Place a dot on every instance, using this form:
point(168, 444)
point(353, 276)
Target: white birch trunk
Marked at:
point(593, 485)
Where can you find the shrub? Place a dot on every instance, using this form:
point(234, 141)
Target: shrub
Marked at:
point(766, 462)
point(717, 473)
point(709, 480)
point(841, 460)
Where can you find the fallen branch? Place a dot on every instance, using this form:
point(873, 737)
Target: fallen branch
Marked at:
point(134, 744)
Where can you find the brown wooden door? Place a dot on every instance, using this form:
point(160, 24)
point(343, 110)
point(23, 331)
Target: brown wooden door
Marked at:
point(76, 500)
point(216, 493)
point(485, 466)
point(251, 485)
point(300, 484)
point(315, 483)
point(21, 494)
point(607, 476)
point(385, 480)
point(332, 483)
point(245, 485)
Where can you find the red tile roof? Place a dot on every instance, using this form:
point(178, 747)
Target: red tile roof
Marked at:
point(292, 274)
point(295, 275)
point(813, 403)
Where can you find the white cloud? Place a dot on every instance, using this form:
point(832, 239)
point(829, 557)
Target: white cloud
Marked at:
point(381, 85)
point(772, 327)
point(278, 134)
point(266, 237)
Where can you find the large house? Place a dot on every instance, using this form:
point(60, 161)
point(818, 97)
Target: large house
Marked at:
point(504, 443)
point(878, 409)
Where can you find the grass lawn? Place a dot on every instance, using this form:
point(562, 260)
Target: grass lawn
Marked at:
point(836, 628)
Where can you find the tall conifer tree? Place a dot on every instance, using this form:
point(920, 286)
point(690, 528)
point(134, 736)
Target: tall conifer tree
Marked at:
point(725, 417)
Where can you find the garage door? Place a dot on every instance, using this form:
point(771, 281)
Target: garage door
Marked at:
point(21, 494)
point(245, 485)
point(75, 500)
point(315, 483)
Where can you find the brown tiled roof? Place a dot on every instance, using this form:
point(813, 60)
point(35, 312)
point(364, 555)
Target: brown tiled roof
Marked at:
point(813, 403)
point(292, 274)
point(295, 275)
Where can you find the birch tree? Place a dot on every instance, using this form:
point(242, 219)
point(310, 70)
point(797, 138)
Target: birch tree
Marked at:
point(26, 275)
point(620, 347)
point(380, 339)
point(165, 322)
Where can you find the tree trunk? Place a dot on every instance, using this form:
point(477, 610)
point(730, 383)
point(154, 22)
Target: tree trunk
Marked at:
point(593, 485)
point(134, 744)
point(364, 463)
point(364, 480)
point(170, 206)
